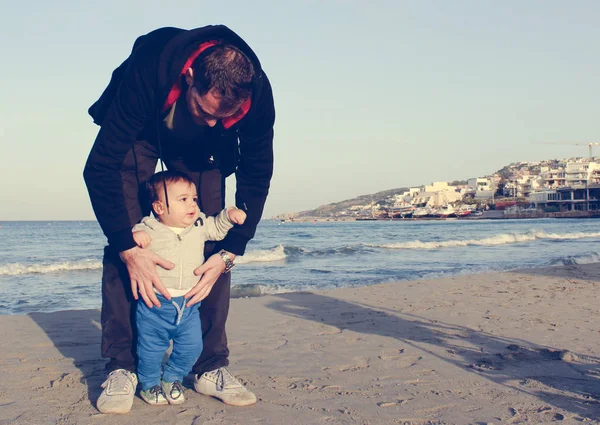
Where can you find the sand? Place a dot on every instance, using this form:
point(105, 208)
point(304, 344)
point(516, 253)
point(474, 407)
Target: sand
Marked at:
point(500, 348)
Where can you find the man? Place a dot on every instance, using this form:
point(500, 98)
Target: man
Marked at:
point(199, 101)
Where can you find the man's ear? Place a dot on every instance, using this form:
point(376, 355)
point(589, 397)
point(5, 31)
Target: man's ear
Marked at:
point(158, 207)
point(189, 77)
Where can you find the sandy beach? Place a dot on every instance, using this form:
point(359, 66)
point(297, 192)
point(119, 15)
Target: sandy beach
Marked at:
point(500, 348)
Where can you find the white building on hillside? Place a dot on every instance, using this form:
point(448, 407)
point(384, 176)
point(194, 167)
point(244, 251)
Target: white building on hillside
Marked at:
point(437, 194)
point(484, 187)
point(580, 174)
point(405, 198)
point(553, 177)
point(523, 186)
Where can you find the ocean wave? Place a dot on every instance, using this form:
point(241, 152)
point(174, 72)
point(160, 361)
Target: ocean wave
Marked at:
point(257, 290)
point(20, 269)
point(592, 258)
point(281, 252)
point(263, 256)
point(501, 239)
point(294, 251)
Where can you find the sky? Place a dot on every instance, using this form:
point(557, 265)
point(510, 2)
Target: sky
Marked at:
point(369, 95)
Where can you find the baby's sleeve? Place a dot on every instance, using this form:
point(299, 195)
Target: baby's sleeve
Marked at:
point(216, 228)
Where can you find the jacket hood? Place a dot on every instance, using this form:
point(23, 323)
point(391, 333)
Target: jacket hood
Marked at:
point(183, 44)
point(151, 222)
point(155, 225)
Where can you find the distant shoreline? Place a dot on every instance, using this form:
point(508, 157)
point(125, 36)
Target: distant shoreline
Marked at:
point(487, 215)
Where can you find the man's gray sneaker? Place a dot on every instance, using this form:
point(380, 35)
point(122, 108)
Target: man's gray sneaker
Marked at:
point(221, 384)
point(119, 389)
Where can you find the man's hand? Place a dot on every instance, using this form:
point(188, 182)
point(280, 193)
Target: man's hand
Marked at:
point(236, 215)
point(142, 239)
point(210, 272)
point(141, 265)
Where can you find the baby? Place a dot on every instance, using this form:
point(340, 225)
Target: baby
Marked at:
point(176, 234)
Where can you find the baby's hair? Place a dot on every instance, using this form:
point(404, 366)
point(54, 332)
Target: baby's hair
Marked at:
point(159, 181)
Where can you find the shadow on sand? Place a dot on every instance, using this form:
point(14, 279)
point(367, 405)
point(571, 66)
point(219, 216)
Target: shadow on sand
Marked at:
point(560, 378)
point(61, 328)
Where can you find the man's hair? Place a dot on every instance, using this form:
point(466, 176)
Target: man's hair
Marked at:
point(159, 181)
point(228, 71)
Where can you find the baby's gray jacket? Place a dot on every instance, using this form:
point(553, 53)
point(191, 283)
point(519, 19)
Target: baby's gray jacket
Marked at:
point(185, 250)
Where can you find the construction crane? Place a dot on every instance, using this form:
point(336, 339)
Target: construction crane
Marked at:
point(588, 144)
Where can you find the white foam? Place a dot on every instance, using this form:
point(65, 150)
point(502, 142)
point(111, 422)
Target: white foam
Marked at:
point(19, 269)
point(263, 256)
point(258, 290)
point(14, 269)
point(582, 259)
point(501, 239)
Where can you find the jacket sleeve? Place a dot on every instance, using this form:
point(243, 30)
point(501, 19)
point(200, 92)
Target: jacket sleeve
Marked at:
point(216, 228)
point(132, 106)
point(255, 168)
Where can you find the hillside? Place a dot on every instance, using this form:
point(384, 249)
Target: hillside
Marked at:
point(386, 197)
point(337, 207)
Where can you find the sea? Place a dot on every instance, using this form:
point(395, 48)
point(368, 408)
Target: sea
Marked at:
point(48, 266)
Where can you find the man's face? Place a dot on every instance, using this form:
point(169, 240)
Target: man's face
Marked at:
point(183, 205)
point(205, 109)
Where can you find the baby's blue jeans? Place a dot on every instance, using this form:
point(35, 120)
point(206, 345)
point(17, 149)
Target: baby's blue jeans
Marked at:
point(157, 326)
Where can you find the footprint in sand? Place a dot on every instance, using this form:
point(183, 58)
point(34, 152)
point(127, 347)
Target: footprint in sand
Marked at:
point(334, 388)
point(293, 383)
point(391, 354)
point(408, 361)
point(315, 349)
point(353, 340)
point(328, 330)
point(398, 359)
point(304, 384)
point(361, 363)
point(66, 380)
point(392, 403)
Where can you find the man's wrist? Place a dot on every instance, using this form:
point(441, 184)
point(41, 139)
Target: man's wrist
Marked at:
point(128, 253)
point(231, 254)
point(228, 259)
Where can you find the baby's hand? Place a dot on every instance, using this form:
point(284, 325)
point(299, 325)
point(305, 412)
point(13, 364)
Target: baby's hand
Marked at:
point(142, 239)
point(236, 215)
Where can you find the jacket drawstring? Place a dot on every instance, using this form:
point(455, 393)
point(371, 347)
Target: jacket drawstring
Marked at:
point(160, 154)
point(179, 311)
point(162, 167)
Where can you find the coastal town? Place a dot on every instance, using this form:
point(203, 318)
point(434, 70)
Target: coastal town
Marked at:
point(568, 188)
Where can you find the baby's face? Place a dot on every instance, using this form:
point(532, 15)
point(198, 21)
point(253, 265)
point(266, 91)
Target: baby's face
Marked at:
point(183, 205)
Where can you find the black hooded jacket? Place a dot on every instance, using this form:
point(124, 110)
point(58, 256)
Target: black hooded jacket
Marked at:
point(130, 109)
